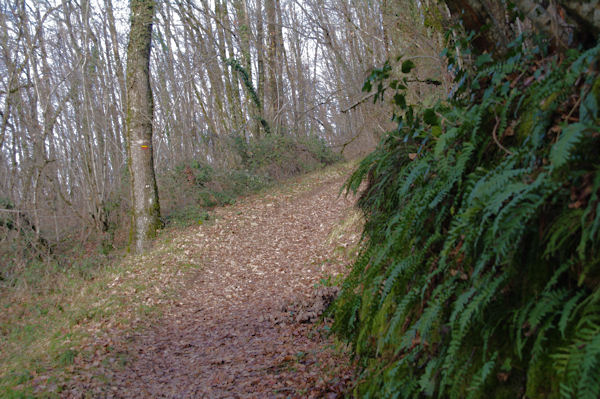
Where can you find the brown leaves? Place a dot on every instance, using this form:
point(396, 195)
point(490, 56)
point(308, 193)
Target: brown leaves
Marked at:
point(311, 309)
point(580, 195)
point(227, 333)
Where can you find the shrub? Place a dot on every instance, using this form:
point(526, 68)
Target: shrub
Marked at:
point(193, 187)
point(280, 156)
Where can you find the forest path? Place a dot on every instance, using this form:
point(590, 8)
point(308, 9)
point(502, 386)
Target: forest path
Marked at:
point(228, 335)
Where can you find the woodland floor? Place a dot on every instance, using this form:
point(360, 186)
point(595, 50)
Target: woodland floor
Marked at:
point(242, 325)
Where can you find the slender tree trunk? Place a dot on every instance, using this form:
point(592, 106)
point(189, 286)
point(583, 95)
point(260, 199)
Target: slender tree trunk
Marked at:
point(272, 104)
point(144, 193)
point(260, 56)
point(243, 30)
point(115, 48)
point(235, 84)
point(283, 117)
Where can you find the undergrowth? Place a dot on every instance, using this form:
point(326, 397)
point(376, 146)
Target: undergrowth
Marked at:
point(192, 188)
point(479, 274)
point(187, 194)
point(54, 317)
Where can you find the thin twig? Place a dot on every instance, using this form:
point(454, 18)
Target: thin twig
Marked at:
point(496, 137)
point(356, 104)
point(344, 145)
point(577, 103)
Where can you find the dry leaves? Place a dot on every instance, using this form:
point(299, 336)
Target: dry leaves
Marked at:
point(241, 327)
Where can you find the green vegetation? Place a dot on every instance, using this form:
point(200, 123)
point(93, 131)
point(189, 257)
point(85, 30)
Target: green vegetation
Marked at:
point(192, 188)
point(187, 193)
point(479, 276)
point(54, 317)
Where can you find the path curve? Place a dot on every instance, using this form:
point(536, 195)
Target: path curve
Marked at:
point(227, 336)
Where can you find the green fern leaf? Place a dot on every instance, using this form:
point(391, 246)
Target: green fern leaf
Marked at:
point(570, 136)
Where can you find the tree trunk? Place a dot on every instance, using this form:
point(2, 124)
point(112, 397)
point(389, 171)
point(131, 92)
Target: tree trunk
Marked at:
point(477, 14)
point(144, 193)
point(586, 12)
point(243, 30)
point(260, 57)
point(564, 22)
point(272, 104)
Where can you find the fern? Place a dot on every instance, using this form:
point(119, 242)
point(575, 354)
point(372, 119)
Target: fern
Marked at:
point(590, 220)
point(480, 377)
point(480, 268)
point(570, 136)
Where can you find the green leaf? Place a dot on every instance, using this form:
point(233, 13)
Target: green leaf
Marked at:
point(483, 59)
point(407, 66)
point(588, 110)
point(570, 136)
point(400, 100)
point(430, 117)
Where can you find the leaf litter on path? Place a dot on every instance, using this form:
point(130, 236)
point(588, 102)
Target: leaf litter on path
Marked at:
point(241, 327)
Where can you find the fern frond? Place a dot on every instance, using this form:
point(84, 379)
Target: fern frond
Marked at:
point(570, 136)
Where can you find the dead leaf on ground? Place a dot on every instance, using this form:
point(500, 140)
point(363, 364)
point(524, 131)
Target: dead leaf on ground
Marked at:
point(243, 326)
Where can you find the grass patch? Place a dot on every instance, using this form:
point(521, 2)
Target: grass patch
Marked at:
point(52, 316)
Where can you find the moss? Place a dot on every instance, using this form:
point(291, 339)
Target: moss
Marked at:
point(434, 18)
point(382, 317)
point(527, 121)
point(542, 381)
point(157, 222)
point(549, 101)
point(595, 92)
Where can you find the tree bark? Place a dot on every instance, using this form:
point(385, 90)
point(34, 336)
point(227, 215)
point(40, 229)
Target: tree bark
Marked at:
point(225, 45)
point(586, 14)
point(144, 193)
point(272, 105)
point(476, 14)
point(260, 57)
point(564, 22)
point(243, 30)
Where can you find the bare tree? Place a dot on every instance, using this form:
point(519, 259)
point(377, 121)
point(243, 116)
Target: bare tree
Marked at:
point(144, 193)
point(217, 67)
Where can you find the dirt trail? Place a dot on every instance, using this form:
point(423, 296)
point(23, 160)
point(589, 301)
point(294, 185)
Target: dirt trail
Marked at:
point(227, 337)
